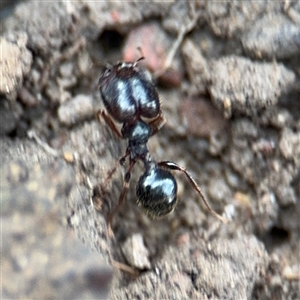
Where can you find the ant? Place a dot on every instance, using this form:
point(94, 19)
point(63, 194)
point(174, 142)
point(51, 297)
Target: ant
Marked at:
point(130, 98)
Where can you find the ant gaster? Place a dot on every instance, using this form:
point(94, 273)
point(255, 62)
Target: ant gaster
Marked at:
point(130, 98)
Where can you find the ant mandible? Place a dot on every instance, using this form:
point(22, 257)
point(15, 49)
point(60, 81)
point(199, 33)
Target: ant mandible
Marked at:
point(130, 98)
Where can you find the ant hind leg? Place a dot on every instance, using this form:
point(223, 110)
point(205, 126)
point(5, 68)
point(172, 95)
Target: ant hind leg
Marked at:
point(121, 198)
point(173, 166)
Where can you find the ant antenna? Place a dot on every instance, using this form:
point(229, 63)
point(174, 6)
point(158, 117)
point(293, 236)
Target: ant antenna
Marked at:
point(142, 57)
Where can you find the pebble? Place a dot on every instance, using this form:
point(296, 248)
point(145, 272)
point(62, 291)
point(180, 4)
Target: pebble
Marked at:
point(78, 109)
point(274, 36)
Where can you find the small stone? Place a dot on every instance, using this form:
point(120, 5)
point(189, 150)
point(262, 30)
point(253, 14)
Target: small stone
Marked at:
point(137, 255)
point(15, 62)
point(249, 86)
point(78, 109)
point(289, 144)
point(274, 36)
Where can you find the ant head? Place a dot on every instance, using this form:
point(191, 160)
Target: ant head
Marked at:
point(156, 192)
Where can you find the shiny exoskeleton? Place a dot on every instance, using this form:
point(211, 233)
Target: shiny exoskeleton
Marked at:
point(130, 98)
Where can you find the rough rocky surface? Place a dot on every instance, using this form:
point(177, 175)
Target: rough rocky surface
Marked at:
point(40, 252)
point(228, 79)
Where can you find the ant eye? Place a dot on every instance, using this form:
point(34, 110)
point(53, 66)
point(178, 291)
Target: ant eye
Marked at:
point(106, 72)
point(105, 75)
point(156, 192)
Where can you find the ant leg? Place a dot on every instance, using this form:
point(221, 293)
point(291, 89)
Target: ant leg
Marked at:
point(157, 123)
point(109, 122)
point(173, 166)
point(122, 196)
point(110, 174)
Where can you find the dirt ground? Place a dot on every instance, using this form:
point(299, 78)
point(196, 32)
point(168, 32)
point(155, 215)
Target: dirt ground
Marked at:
point(228, 78)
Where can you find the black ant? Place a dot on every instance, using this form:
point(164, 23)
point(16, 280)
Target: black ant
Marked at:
point(130, 97)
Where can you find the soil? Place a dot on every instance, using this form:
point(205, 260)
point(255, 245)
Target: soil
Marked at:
point(228, 79)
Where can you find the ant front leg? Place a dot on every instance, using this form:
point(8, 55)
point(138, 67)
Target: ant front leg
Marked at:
point(157, 123)
point(173, 166)
point(121, 198)
point(110, 123)
point(110, 174)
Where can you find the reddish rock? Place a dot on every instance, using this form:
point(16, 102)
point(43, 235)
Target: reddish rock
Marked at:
point(202, 118)
point(150, 41)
